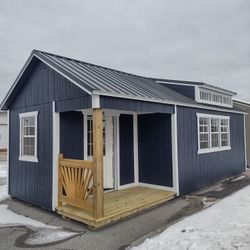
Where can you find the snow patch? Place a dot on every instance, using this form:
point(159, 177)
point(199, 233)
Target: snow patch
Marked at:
point(225, 225)
point(3, 193)
point(48, 236)
point(9, 218)
point(238, 178)
point(41, 232)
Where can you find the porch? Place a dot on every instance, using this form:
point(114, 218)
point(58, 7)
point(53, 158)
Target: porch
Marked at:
point(118, 205)
point(111, 171)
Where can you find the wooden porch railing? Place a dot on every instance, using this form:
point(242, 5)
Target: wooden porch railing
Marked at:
point(80, 182)
point(75, 184)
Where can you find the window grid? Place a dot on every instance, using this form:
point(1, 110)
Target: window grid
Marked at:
point(28, 136)
point(213, 133)
point(213, 97)
point(90, 136)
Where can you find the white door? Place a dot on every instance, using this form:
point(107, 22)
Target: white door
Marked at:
point(108, 171)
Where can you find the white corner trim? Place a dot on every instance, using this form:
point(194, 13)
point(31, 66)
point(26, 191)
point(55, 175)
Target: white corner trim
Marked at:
point(175, 152)
point(8, 151)
point(56, 151)
point(117, 153)
point(95, 101)
point(245, 142)
point(136, 156)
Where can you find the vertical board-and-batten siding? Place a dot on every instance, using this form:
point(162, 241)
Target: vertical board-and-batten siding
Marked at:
point(199, 170)
point(126, 149)
point(28, 181)
point(44, 85)
point(108, 102)
point(188, 91)
point(71, 135)
point(155, 149)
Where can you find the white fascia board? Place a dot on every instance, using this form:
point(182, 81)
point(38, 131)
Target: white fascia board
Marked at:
point(177, 83)
point(58, 71)
point(24, 68)
point(17, 79)
point(218, 90)
point(199, 106)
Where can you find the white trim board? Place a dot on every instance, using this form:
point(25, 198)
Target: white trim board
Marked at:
point(8, 151)
point(245, 142)
point(198, 106)
point(56, 151)
point(175, 166)
point(141, 184)
point(136, 155)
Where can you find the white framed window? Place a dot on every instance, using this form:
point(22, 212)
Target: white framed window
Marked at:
point(213, 133)
point(90, 136)
point(28, 136)
point(213, 97)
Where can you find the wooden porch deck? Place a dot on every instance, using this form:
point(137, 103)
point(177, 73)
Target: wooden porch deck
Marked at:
point(119, 205)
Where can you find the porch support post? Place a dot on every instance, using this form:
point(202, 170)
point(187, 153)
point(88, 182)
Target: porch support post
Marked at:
point(98, 162)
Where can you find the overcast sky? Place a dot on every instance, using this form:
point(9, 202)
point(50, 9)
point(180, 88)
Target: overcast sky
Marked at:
point(203, 40)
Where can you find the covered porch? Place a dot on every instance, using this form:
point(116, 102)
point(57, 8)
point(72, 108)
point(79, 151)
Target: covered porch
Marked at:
point(139, 174)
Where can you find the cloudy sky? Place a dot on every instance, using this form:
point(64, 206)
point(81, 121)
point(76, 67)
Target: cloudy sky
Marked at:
point(204, 40)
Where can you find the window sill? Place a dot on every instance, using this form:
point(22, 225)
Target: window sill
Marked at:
point(212, 150)
point(28, 158)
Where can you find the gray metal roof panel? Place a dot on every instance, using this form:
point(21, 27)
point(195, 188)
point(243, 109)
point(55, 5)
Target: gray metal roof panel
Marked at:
point(102, 79)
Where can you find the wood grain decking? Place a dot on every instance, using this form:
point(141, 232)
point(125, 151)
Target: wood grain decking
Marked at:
point(119, 205)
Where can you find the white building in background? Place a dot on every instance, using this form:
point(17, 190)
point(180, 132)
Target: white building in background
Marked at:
point(3, 131)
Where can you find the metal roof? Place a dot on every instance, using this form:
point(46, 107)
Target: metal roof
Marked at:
point(101, 80)
point(104, 81)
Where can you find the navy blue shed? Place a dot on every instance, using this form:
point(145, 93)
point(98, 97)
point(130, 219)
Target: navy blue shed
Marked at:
point(168, 134)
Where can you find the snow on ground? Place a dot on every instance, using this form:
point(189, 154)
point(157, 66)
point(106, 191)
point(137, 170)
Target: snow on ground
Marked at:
point(42, 233)
point(9, 218)
point(225, 225)
point(48, 236)
point(3, 178)
point(3, 170)
point(3, 193)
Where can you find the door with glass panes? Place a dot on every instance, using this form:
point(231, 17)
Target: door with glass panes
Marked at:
point(108, 171)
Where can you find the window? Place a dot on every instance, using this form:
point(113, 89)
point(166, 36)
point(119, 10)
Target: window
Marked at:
point(28, 136)
point(90, 136)
point(216, 98)
point(213, 133)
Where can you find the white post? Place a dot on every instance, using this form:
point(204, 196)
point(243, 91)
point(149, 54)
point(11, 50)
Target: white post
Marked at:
point(136, 158)
point(175, 152)
point(8, 150)
point(245, 141)
point(56, 151)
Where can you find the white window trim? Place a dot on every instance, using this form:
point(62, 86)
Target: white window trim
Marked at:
point(215, 149)
point(26, 157)
point(198, 99)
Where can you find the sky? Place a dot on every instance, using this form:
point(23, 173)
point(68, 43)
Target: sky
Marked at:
point(199, 40)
